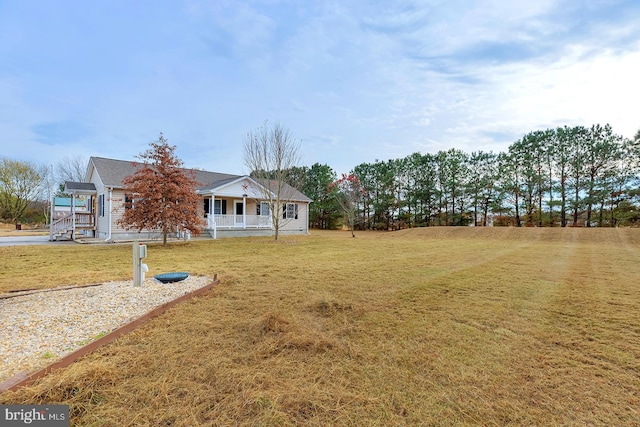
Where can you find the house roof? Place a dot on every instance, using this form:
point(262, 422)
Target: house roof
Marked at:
point(112, 172)
point(291, 193)
point(212, 180)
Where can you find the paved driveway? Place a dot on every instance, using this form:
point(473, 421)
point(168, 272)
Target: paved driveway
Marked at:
point(29, 240)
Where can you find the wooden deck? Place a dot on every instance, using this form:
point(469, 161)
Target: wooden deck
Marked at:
point(64, 228)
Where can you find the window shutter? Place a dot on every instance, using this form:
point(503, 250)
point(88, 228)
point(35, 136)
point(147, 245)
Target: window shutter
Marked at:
point(224, 207)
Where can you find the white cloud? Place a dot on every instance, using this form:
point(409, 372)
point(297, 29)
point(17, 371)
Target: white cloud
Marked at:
point(354, 80)
point(583, 92)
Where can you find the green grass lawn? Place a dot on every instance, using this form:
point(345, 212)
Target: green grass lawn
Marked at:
point(436, 326)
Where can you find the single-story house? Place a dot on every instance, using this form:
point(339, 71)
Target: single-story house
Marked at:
point(231, 205)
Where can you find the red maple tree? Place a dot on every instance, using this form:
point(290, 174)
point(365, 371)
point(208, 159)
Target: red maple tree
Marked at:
point(161, 195)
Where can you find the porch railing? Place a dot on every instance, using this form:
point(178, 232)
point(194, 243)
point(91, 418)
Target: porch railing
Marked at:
point(236, 221)
point(66, 224)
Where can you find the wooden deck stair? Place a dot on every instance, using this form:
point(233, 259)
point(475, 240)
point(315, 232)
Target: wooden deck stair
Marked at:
point(65, 227)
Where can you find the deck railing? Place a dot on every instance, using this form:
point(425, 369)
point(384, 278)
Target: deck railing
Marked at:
point(69, 221)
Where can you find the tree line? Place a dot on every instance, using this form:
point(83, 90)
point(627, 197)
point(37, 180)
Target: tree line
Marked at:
point(568, 176)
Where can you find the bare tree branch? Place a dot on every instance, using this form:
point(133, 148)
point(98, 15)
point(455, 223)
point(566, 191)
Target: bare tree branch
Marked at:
point(270, 153)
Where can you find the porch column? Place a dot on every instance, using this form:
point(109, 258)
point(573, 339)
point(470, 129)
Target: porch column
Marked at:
point(211, 219)
point(73, 216)
point(244, 211)
point(212, 216)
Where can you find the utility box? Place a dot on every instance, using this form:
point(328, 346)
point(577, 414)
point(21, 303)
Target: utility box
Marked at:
point(139, 252)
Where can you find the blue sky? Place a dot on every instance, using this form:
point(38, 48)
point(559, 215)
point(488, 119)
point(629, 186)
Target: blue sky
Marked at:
point(354, 81)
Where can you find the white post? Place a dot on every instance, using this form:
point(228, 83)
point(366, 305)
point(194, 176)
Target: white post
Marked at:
point(136, 264)
point(213, 214)
point(244, 211)
point(73, 216)
point(212, 209)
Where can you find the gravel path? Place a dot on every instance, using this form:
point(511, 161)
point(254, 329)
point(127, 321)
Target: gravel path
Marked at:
point(39, 328)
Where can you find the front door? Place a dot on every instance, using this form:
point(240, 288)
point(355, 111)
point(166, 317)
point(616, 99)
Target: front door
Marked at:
point(238, 213)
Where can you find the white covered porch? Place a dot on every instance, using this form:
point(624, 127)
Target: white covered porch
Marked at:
point(235, 207)
point(229, 213)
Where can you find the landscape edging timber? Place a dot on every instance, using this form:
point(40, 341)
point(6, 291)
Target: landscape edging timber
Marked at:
point(24, 378)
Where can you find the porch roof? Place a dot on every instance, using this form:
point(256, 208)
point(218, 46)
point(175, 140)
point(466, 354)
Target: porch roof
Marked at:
point(71, 187)
point(289, 193)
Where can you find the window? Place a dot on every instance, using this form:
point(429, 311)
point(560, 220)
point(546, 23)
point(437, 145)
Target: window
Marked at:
point(129, 202)
point(262, 209)
point(206, 207)
point(219, 207)
point(290, 211)
point(101, 205)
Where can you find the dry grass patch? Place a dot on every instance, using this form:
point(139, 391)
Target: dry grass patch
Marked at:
point(39, 267)
point(9, 230)
point(441, 326)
